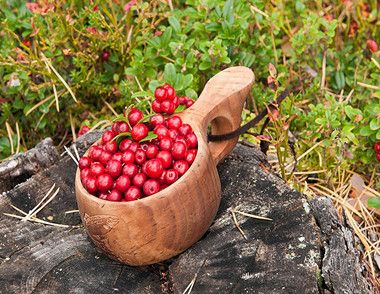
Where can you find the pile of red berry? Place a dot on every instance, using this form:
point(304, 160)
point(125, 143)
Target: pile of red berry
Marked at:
point(137, 159)
point(166, 100)
point(377, 150)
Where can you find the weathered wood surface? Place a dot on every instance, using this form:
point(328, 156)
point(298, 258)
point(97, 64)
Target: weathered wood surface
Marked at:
point(302, 250)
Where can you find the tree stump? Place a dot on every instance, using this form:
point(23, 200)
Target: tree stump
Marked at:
point(303, 249)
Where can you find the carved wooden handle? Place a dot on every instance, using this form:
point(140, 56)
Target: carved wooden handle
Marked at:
point(220, 105)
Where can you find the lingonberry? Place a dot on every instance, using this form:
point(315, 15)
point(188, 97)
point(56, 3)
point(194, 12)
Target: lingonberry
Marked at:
point(182, 100)
point(106, 55)
point(108, 136)
point(166, 143)
point(165, 157)
point(134, 116)
point(96, 169)
point(156, 120)
point(84, 173)
point(151, 187)
point(114, 168)
point(130, 170)
point(156, 106)
point(90, 184)
point(115, 127)
point(181, 166)
point(174, 122)
point(161, 132)
point(139, 132)
point(189, 103)
point(167, 106)
point(170, 92)
point(128, 156)
point(161, 179)
point(139, 180)
point(185, 129)
point(122, 183)
point(160, 94)
point(133, 193)
point(104, 182)
point(378, 156)
point(115, 195)
point(140, 156)
point(83, 130)
point(103, 195)
point(173, 134)
point(123, 127)
point(190, 156)
point(153, 168)
point(171, 176)
point(105, 157)
point(95, 152)
point(84, 162)
point(124, 145)
point(134, 146)
point(192, 141)
point(152, 151)
point(144, 146)
point(377, 147)
point(179, 150)
point(111, 146)
point(117, 156)
point(176, 101)
point(372, 45)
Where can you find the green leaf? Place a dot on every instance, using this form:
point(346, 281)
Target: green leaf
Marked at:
point(340, 80)
point(166, 36)
point(154, 84)
point(366, 131)
point(378, 135)
point(149, 137)
point(121, 135)
point(205, 65)
point(374, 124)
point(374, 202)
point(174, 22)
point(170, 73)
point(142, 94)
point(180, 108)
point(191, 93)
point(146, 118)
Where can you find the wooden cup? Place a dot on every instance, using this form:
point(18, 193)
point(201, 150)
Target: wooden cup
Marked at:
point(165, 224)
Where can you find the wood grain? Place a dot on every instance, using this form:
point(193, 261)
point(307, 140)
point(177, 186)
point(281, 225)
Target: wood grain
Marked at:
point(156, 228)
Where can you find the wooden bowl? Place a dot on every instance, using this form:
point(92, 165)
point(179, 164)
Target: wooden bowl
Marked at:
point(165, 224)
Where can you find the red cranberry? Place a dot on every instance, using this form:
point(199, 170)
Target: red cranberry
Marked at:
point(192, 141)
point(122, 183)
point(106, 55)
point(133, 193)
point(161, 132)
point(111, 147)
point(114, 168)
point(190, 156)
point(167, 106)
point(95, 152)
point(139, 132)
point(181, 139)
point(160, 94)
point(103, 195)
point(134, 146)
point(115, 196)
point(156, 120)
point(179, 150)
point(96, 169)
point(144, 146)
point(166, 143)
point(156, 106)
point(170, 92)
point(165, 157)
point(152, 151)
point(108, 136)
point(90, 184)
point(173, 134)
point(189, 103)
point(84, 173)
point(182, 100)
point(176, 101)
point(161, 179)
point(181, 166)
point(105, 157)
point(123, 127)
point(128, 156)
point(117, 156)
point(130, 170)
point(376, 147)
point(124, 145)
point(115, 127)
point(104, 182)
point(140, 156)
point(134, 116)
point(84, 162)
point(185, 129)
point(83, 130)
point(151, 187)
point(153, 168)
point(139, 180)
point(171, 176)
point(174, 122)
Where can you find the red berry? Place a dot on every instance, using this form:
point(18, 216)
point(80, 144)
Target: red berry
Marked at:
point(151, 187)
point(153, 168)
point(97, 169)
point(144, 146)
point(161, 179)
point(166, 143)
point(105, 157)
point(161, 132)
point(378, 156)
point(95, 152)
point(190, 156)
point(182, 100)
point(189, 103)
point(160, 94)
point(139, 180)
point(181, 139)
point(156, 120)
point(372, 46)
point(128, 156)
point(84, 173)
point(176, 101)
point(103, 195)
point(84, 162)
point(90, 183)
point(83, 130)
point(191, 140)
point(185, 129)
point(134, 116)
point(134, 146)
point(377, 147)
point(174, 122)
point(117, 156)
point(114, 168)
point(106, 55)
point(170, 92)
point(124, 145)
point(123, 127)
point(111, 147)
point(122, 183)
point(167, 106)
point(115, 196)
point(173, 134)
point(165, 157)
point(151, 151)
point(130, 170)
point(162, 187)
point(156, 106)
point(115, 127)
point(108, 136)
point(179, 150)
point(140, 156)
point(104, 182)
point(133, 193)
point(181, 166)
point(171, 176)
point(139, 132)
